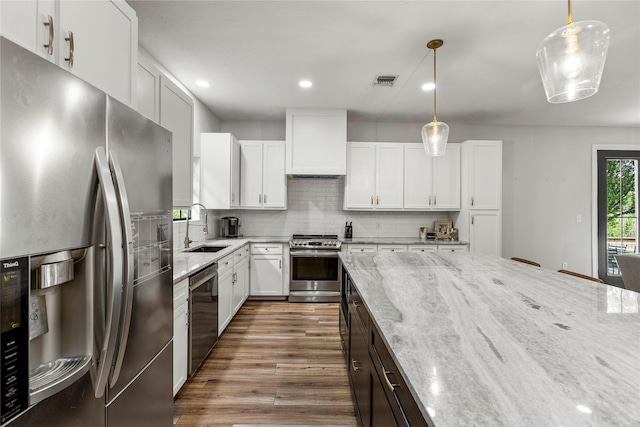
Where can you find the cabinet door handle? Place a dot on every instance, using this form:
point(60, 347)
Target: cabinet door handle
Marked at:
point(390, 385)
point(472, 201)
point(472, 220)
point(49, 45)
point(435, 200)
point(280, 264)
point(429, 200)
point(264, 199)
point(70, 58)
point(377, 200)
point(353, 365)
point(372, 199)
point(233, 197)
point(259, 198)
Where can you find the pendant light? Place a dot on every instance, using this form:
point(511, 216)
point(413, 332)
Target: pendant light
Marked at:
point(571, 60)
point(435, 134)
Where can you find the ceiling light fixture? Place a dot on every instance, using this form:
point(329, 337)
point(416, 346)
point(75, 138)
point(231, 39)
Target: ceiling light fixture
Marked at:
point(435, 134)
point(305, 83)
point(202, 83)
point(571, 60)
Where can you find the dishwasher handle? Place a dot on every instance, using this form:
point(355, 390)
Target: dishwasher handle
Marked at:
point(203, 276)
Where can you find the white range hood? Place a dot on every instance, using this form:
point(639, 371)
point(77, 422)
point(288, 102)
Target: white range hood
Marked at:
point(316, 143)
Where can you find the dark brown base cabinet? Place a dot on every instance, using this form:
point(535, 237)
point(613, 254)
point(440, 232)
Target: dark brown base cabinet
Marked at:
point(380, 393)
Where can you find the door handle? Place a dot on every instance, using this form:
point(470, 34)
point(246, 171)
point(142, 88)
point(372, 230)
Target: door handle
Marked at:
point(69, 59)
point(435, 200)
point(390, 385)
point(472, 219)
point(114, 283)
point(353, 365)
point(429, 200)
point(472, 201)
point(127, 246)
point(49, 45)
point(259, 198)
point(372, 199)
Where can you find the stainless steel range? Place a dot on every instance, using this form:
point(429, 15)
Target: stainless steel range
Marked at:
point(314, 268)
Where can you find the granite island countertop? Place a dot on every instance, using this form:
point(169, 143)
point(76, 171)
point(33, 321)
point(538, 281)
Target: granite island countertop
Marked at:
point(400, 241)
point(485, 341)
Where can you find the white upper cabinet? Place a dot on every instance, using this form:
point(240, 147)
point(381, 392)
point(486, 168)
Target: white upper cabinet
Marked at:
point(220, 171)
point(148, 90)
point(316, 142)
point(176, 115)
point(485, 174)
point(262, 175)
point(374, 176)
point(431, 183)
point(95, 40)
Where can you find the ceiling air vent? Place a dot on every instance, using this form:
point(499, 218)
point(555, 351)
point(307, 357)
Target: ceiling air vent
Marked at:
point(385, 80)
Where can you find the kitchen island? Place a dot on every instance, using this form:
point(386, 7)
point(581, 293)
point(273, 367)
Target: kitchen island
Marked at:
point(482, 340)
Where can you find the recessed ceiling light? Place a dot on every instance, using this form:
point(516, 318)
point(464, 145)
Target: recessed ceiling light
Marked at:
point(202, 83)
point(428, 86)
point(305, 83)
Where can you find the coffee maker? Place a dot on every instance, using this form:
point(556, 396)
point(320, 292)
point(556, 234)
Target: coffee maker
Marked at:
point(229, 226)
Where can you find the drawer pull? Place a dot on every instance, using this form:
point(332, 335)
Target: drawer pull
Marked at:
point(353, 365)
point(355, 305)
point(390, 385)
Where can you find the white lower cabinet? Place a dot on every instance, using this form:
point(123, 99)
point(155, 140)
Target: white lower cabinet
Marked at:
point(267, 278)
point(485, 234)
point(392, 248)
point(361, 247)
point(453, 248)
point(240, 284)
point(233, 278)
point(423, 248)
point(180, 334)
point(225, 292)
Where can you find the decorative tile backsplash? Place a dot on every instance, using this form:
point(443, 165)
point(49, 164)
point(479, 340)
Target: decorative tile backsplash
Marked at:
point(314, 206)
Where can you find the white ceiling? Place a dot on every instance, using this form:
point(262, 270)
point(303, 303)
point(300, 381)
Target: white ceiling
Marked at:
point(254, 53)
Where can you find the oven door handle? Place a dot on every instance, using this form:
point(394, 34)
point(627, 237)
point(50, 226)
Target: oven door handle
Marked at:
point(314, 254)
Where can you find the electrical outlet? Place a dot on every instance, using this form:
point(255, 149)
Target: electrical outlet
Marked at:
point(564, 265)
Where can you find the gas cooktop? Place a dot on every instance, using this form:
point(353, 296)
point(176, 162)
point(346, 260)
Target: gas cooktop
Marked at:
point(315, 241)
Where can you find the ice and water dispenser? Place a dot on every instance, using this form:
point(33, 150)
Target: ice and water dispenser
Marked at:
point(47, 325)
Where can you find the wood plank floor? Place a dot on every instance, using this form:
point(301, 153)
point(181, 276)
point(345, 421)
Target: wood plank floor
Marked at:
point(276, 364)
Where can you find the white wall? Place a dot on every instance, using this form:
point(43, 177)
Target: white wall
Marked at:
point(546, 173)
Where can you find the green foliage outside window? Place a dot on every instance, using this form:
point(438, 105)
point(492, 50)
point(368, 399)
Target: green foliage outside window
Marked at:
point(179, 214)
point(622, 175)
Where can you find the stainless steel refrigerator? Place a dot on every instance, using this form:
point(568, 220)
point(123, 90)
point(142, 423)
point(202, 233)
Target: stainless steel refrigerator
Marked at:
point(85, 251)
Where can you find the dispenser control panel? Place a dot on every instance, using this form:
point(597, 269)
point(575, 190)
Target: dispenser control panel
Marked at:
point(14, 341)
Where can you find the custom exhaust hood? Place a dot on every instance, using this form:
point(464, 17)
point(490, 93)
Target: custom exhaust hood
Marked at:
point(316, 143)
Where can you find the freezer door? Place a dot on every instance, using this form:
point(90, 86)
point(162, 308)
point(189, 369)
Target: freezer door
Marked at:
point(50, 127)
point(150, 330)
point(148, 402)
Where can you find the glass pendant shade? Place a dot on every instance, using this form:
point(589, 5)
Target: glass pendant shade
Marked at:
point(434, 138)
point(571, 60)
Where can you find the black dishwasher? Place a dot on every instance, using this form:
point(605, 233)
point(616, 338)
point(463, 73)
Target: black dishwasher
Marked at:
point(203, 315)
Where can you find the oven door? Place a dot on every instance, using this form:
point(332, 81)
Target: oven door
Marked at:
point(314, 270)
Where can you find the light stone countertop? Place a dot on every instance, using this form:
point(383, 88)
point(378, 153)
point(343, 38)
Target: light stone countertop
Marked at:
point(400, 241)
point(485, 341)
point(187, 263)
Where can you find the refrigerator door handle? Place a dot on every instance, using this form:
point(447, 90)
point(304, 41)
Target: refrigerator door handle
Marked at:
point(127, 297)
point(114, 284)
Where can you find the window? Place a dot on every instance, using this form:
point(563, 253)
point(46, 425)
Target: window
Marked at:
point(618, 176)
point(180, 214)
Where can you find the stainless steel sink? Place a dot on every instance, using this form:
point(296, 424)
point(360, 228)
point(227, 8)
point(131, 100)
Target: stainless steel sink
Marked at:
point(207, 249)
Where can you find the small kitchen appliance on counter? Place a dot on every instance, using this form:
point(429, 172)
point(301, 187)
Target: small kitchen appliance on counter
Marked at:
point(229, 226)
point(314, 268)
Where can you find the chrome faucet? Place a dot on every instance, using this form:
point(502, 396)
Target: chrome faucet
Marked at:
point(206, 226)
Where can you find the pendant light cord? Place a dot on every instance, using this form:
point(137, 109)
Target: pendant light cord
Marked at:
point(435, 86)
point(569, 19)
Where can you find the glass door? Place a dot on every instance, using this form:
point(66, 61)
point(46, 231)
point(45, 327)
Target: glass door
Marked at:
point(618, 227)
